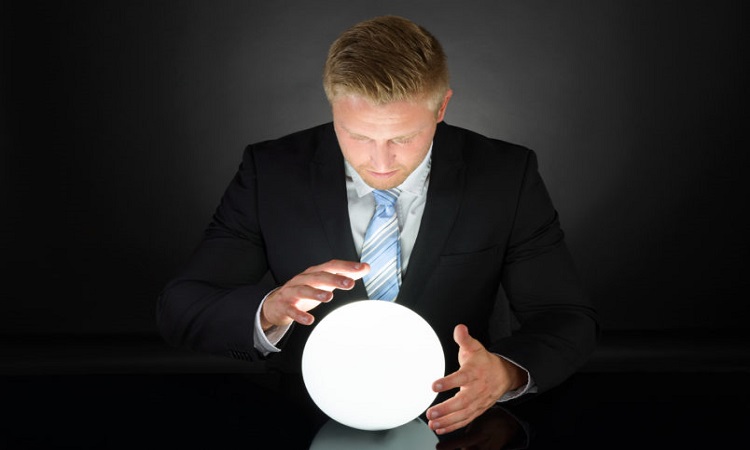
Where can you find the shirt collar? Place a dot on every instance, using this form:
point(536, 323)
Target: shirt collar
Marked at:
point(415, 183)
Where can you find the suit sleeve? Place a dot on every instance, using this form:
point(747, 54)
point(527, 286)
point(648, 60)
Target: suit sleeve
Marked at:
point(211, 304)
point(558, 323)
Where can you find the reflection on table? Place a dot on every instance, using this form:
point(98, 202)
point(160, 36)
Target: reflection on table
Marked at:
point(496, 429)
point(412, 435)
point(246, 411)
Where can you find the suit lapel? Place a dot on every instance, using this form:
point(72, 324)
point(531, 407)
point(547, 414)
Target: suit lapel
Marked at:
point(447, 176)
point(329, 193)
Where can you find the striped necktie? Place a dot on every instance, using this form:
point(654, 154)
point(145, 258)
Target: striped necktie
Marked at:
point(382, 249)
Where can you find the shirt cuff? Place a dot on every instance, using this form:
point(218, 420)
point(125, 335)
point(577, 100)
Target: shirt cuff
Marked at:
point(265, 341)
point(529, 388)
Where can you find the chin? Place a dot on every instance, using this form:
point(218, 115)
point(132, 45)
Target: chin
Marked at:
point(382, 184)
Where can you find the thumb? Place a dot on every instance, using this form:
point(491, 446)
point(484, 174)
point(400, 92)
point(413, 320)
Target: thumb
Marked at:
point(464, 340)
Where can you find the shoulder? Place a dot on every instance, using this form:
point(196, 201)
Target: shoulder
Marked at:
point(300, 146)
point(481, 152)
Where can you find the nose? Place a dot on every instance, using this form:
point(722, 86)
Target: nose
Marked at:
point(381, 157)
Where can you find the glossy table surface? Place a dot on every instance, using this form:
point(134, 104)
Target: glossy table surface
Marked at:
point(590, 410)
point(140, 394)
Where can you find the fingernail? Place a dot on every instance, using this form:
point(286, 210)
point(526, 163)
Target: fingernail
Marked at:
point(439, 386)
point(347, 283)
point(357, 266)
point(322, 296)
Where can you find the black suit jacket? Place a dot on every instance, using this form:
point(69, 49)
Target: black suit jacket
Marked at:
point(489, 246)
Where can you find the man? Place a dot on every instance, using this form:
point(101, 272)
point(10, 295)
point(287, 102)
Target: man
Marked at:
point(477, 234)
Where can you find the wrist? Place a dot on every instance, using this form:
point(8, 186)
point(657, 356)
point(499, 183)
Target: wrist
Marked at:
point(265, 324)
point(517, 377)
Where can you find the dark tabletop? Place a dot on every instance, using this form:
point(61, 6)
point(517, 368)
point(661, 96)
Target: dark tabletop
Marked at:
point(214, 403)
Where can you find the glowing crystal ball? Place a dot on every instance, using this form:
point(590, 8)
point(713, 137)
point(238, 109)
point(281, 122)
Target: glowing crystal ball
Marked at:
point(370, 365)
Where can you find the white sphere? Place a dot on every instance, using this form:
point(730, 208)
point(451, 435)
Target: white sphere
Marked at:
point(370, 365)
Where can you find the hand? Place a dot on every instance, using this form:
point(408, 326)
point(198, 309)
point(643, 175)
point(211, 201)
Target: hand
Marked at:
point(482, 379)
point(292, 301)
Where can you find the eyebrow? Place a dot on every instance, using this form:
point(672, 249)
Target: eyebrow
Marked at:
point(403, 136)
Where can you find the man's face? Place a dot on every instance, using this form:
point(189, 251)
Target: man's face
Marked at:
point(385, 143)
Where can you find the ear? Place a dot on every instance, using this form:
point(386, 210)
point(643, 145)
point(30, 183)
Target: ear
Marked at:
point(444, 106)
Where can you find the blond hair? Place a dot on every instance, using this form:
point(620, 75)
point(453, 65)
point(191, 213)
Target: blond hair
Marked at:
point(387, 59)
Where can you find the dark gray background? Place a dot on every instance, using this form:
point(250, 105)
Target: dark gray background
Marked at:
point(122, 122)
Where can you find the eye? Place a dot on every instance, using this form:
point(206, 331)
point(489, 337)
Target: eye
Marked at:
point(403, 141)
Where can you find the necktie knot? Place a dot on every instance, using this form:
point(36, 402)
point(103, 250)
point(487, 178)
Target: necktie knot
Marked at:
point(386, 200)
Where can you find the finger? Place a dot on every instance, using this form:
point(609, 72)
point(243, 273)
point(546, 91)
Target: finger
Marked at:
point(292, 303)
point(303, 297)
point(298, 311)
point(455, 380)
point(464, 340)
point(294, 313)
point(455, 405)
point(326, 281)
point(446, 423)
point(453, 413)
point(301, 317)
point(351, 269)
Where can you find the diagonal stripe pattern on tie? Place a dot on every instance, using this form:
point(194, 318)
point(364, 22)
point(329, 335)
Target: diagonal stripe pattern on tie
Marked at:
point(381, 249)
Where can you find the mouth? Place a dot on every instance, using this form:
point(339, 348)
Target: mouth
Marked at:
point(382, 175)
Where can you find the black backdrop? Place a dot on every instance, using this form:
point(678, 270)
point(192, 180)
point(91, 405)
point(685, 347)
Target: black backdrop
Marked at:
point(122, 122)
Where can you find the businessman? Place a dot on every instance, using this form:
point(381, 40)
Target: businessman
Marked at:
point(389, 202)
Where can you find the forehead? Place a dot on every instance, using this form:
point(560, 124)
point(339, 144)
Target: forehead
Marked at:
point(358, 115)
